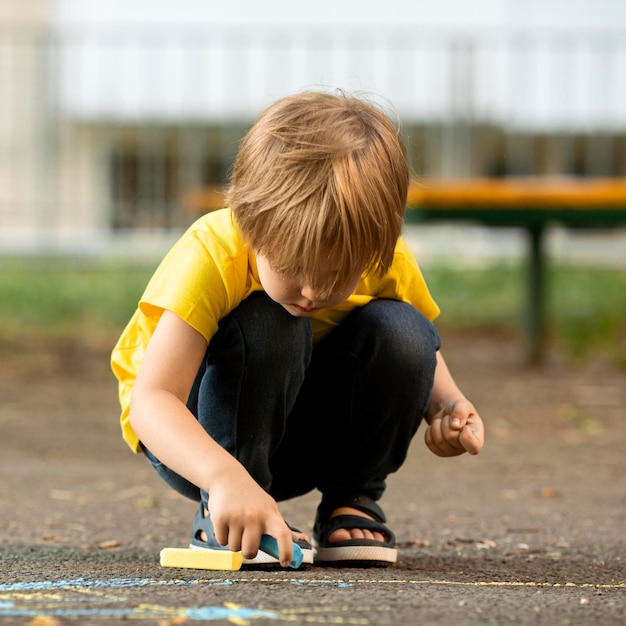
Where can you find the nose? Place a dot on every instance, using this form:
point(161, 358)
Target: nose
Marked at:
point(311, 294)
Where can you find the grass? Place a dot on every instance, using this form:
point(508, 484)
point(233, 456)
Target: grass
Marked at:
point(585, 307)
point(60, 296)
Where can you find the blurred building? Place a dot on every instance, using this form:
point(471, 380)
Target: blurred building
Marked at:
point(107, 123)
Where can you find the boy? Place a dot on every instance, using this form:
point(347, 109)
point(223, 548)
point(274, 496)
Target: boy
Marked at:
point(285, 344)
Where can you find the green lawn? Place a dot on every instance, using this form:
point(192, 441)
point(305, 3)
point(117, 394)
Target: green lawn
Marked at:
point(60, 295)
point(586, 308)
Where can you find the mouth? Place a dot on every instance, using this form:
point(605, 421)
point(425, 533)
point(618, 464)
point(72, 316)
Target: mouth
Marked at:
point(304, 309)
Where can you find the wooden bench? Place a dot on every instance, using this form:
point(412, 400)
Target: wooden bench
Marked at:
point(529, 203)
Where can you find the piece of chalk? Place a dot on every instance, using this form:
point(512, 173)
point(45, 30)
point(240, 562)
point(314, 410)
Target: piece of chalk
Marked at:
point(201, 559)
point(269, 545)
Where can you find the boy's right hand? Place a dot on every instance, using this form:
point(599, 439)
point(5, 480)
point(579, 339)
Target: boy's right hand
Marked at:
point(241, 512)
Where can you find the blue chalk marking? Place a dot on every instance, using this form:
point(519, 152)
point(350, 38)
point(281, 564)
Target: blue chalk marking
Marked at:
point(206, 613)
point(112, 583)
point(218, 612)
point(318, 583)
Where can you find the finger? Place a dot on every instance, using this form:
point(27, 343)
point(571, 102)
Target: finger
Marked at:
point(285, 546)
point(220, 530)
point(445, 453)
point(451, 428)
point(436, 441)
point(250, 544)
point(472, 438)
point(430, 439)
point(454, 418)
point(234, 538)
point(281, 544)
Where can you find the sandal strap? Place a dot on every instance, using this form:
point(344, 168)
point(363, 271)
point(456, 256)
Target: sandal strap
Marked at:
point(202, 523)
point(354, 521)
point(362, 503)
point(325, 525)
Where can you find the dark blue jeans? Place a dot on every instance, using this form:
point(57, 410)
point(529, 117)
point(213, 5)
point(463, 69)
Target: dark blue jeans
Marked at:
point(338, 417)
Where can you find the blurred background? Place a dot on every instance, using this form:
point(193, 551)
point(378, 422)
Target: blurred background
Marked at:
point(112, 114)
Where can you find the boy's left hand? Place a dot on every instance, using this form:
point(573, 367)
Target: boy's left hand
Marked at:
point(456, 429)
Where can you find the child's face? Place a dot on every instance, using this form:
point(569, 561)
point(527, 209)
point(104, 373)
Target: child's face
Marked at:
point(300, 301)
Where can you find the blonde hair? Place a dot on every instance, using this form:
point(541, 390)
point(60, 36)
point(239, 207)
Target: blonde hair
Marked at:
point(321, 177)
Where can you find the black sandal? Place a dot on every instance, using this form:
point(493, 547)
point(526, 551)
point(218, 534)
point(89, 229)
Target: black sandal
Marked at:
point(203, 523)
point(352, 551)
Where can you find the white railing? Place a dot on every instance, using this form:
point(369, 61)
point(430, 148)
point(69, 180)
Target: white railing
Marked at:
point(105, 130)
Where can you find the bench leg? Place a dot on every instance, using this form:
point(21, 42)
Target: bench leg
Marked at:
point(535, 314)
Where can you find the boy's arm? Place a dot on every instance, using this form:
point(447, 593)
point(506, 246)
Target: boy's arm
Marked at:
point(241, 511)
point(454, 426)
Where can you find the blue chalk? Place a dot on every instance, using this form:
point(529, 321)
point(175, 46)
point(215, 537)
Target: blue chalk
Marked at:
point(270, 546)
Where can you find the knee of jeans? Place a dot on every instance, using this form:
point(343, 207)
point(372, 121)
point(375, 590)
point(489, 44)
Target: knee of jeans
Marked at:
point(393, 319)
point(276, 338)
point(403, 331)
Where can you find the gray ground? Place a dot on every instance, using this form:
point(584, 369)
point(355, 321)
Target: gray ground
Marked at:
point(529, 532)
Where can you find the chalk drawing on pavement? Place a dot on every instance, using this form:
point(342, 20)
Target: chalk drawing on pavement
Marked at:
point(108, 598)
point(81, 597)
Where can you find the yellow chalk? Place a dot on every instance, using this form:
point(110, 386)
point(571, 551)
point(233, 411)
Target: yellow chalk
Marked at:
point(201, 559)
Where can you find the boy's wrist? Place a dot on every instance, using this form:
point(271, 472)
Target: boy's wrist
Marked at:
point(226, 470)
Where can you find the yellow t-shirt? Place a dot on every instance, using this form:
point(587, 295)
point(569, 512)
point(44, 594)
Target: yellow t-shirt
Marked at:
point(210, 270)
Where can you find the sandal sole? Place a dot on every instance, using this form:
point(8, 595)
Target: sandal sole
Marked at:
point(358, 555)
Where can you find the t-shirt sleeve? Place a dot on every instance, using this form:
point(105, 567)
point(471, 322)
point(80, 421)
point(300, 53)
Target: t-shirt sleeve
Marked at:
point(194, 281)
point(405, 282)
